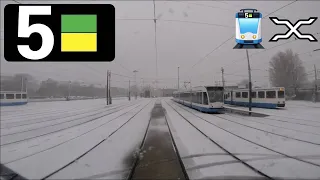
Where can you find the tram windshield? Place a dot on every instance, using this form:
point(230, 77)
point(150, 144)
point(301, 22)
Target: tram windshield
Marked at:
point(248, 25)
point(215, 94)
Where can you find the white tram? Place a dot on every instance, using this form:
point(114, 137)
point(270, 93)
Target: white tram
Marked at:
point(13, 98)
point(203, 98)
point(262, 98)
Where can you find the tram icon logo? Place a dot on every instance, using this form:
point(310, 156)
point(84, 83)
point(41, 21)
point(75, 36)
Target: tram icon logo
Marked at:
point(248, 29)
point(293, 29)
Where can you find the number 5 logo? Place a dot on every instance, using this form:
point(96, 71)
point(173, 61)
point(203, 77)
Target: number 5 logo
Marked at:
point(25, 30)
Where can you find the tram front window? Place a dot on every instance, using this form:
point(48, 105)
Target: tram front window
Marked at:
point(248, 25)
point(215, 96)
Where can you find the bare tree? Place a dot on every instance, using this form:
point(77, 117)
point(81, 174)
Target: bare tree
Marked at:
point(287, 70)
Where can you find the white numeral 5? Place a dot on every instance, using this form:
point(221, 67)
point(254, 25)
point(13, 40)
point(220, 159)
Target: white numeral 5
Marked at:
point(24, 30)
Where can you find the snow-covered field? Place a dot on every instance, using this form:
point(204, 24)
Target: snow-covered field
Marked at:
point(89, 140)
point(284, 146)
point(295, 110)
point(40, 138)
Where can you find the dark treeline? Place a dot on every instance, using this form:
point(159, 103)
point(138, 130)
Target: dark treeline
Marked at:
point(54, 88)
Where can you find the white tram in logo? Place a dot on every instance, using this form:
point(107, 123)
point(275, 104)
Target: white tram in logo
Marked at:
point(248, 27)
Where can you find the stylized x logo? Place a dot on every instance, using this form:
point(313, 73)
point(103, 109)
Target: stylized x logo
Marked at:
point(293, 29)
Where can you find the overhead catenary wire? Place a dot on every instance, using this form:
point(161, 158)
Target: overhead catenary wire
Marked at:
point(254, 54)
point(16, 1)
point(187, 22)
point(196, 22)
point(146, 79)
point(123, 67)
point(224, 42)
point(176, 20)
point(216, 7)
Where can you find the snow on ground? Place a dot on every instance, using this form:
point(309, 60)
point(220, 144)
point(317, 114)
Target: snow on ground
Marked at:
point(296, 131)
point(201, 157)
point(42, 137)
point(113, 158)
point(42, 106)
point(303, 111)
point(46, 156)
point(51, 121)
point(37, 132)
point(38, 127)
point(20, 115)
point(267, 161)
point(32, 109)
point(16, 151)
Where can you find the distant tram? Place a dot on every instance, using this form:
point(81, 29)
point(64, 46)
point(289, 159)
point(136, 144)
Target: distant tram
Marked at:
point(203, 98)
point(248, 27)
point(13, 98)
point(261, 98)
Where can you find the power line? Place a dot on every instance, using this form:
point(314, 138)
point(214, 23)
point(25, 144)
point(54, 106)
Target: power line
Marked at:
point(199, 61)
point(233, 35)
point(308, 72)
point(273, 47)
point(175, 20)
point(196, 22)
point(232, 62)
point(215, 7)
point(280, 8)
point(231, 74)
point(204, 5)
point(123, 67)
point(121, 75)
point(16, 1)
point(287, 42)
point(294, 40)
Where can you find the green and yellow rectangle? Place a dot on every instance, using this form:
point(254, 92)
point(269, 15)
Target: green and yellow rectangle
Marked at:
point(78, 33)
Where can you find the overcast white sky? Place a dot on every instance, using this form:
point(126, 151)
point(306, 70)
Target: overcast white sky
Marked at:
point(186, 32)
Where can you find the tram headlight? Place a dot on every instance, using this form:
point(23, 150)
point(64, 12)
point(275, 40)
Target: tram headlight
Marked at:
point(242, 36)
point(254, 36)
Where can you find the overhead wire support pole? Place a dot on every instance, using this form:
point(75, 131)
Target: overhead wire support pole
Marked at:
point(107, 87)
point(315, 83)
point(135, 82)
point(22, 84)
point(155, 41)
point(129, 92)
point(178, 78)
point(110, 100)
point(69, 89)
point(26, 85)
point(222, 73)
point(250, 83)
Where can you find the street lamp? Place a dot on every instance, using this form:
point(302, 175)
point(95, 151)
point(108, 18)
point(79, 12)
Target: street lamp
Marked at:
point(316, 50)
